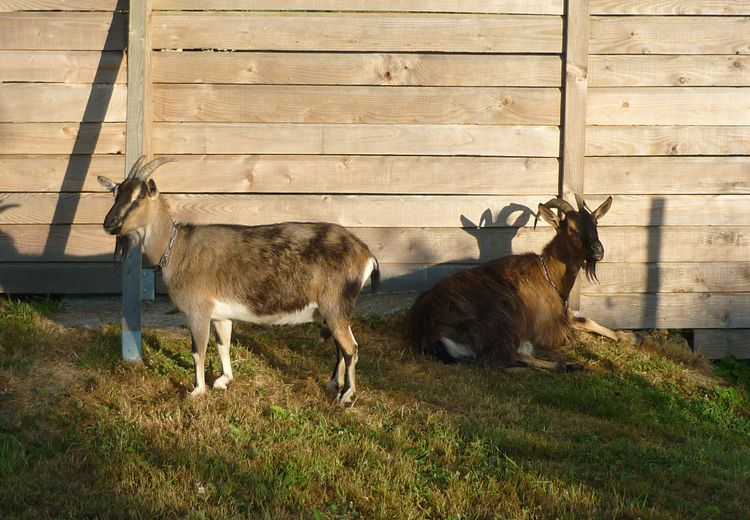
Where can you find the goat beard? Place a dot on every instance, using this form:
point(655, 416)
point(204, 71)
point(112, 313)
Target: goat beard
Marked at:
point(590, 270)
point(122, 246)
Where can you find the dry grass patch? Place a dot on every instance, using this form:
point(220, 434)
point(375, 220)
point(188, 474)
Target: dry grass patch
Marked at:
point(641, 433)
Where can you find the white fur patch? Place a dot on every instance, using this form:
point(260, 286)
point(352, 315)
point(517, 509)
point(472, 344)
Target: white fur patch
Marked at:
point(457, 350)
point(368, 271)
point(526, 347)
point(237, 311)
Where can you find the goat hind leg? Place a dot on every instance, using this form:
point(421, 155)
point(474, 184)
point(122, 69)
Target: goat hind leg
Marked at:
point(223, 329)
point(342, 333)
point(199, 330)
point(337, 378)
point(541, 364)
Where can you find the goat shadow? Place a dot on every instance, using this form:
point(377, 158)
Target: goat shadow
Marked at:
point(494, 235)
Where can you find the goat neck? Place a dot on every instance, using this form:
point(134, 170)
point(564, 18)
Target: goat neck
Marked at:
point(563, 264)
point(156, 234)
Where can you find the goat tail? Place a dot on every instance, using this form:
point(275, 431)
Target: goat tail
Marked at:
point(375, 276)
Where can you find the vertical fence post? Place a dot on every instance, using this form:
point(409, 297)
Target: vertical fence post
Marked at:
point(573, 130)
point(137, 143)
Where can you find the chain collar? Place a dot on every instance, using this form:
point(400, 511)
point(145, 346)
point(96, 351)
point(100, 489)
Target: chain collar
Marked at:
point(164, 260)
point(549, 279)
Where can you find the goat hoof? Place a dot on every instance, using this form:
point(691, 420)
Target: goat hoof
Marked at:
point(569, 367)
point(332, 388)
point(630, 338)
point(222, 383)
point(197, 392)
point(347, 398)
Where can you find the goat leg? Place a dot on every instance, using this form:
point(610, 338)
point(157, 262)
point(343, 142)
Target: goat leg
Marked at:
point(589, 325)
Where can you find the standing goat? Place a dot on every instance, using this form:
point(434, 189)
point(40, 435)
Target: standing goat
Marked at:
point(276, 274)
point(493, 314)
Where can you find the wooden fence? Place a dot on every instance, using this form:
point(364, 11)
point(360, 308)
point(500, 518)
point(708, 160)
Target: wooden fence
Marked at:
point(411, 122)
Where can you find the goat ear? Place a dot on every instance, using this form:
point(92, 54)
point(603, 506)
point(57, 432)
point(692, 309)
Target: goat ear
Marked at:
point(602, 210)
point(108, 184)
point(548, 215)
point(151, 188)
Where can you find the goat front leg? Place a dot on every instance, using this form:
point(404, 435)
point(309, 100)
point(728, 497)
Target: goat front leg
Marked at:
point(589, 325)
point(531, 362)
point(223, 329)
point(199, 330)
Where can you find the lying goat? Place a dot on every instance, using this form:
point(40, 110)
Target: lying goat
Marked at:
point(276, 274)
point(493, 314)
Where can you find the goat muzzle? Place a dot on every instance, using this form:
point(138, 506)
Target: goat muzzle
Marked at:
point(597, 251)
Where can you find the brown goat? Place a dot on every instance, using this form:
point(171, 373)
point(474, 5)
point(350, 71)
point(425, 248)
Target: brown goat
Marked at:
point(493, 314)
point(275, 274)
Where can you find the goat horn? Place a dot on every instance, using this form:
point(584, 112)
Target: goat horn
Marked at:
point(148, 170)
point(559, 203)
point(581, 203)
point(136, 167)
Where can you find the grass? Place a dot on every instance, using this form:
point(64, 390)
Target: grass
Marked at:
point(653, 432)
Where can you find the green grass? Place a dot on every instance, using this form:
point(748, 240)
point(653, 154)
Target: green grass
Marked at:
point(641, 433)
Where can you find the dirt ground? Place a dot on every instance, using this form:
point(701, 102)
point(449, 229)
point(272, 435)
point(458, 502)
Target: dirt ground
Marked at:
point(93, 312)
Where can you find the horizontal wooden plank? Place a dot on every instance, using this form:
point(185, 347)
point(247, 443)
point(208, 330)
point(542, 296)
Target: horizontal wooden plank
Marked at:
point(679, 311)
point(215, 138)
point(61, 5)
point(669, 35)
point(63, 31)
point(721, 343)
point(62, 138)
point(358, 174)
point(41, 243)
point(356, 105)
point(379, 210)
point(422, 245)
point(357, 32)
point(676, 244)
point(63, 66)
point(668, 106)
point(667, 175)
point(462, 6)
point(293, 174)
point(670, 7)
point(45, 103)
point(60, 278)
point(691, 277)
point(314, 68)
point(669, 71)
point(347, 210)
point(667, 140)
point(57, 173)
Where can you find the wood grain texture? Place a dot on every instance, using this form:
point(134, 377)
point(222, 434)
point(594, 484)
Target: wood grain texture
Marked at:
point(60, 5)
point(667, 175)
point(59, 138)
point(462, 6)
point(63, 31)
point(721, 343)
point(690, 277)
point(57, 173)
point(358, 174)
point(62, 66)
point(50, 103)
point(356, 105)
point(669, 35)
point(308, 68)
point(676, 244)
point(669, 106)
point(357, 32)
point(60, 278)
point(347, 210)
point(385, 210)
point(667, 140)
point(205, 138)
point(681, 311)
point(44, 243)
point(669, 71)
point(670, 7)
point(424, 245)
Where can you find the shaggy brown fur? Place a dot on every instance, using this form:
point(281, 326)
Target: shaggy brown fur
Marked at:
point(488, 311)
point(283, 273)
